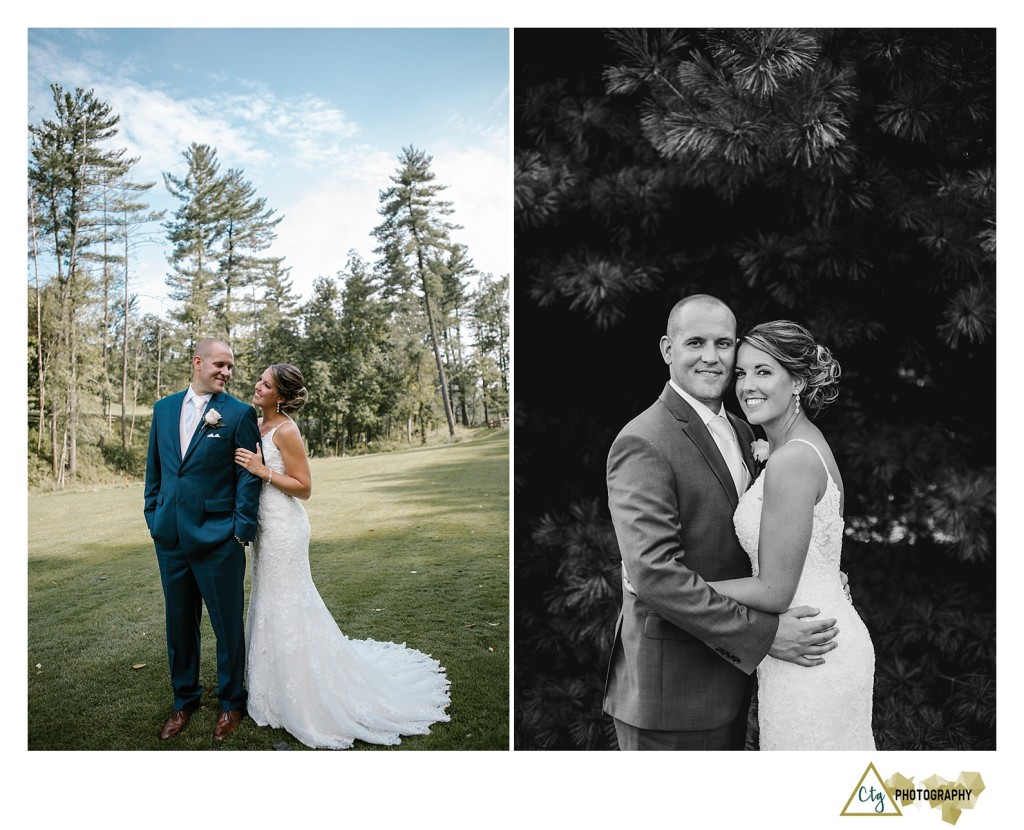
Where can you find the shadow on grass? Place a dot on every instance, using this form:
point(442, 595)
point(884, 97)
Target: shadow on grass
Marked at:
point(442, 482)
point(436, 579)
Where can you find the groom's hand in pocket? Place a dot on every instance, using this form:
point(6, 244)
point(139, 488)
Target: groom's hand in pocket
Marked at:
point(801, 639)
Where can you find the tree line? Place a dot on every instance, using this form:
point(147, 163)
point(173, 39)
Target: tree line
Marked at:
point(391, 349)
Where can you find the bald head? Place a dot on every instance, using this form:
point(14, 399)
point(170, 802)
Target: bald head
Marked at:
point(706, 302)
point(206, 346)
point(700, 347)
point(212, 363)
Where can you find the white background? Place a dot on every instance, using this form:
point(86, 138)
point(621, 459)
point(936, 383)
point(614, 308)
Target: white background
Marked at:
point(454, 789)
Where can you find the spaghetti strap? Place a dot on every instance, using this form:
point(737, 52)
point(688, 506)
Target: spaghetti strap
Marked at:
point(820, 456)
point(275, 429)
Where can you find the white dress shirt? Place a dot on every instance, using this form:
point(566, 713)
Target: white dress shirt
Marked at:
point(186, 434)
point(741, 476)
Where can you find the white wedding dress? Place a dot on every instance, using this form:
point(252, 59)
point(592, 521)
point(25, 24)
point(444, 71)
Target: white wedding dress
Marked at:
point(303, 674)
point(820, 707)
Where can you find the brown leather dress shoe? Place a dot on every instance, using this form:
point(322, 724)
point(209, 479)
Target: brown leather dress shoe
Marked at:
point(227, 723)
point(175, 723)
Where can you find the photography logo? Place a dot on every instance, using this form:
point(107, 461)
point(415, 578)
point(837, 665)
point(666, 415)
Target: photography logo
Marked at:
point(873, 797)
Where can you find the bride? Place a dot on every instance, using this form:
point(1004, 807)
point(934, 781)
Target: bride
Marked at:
point(790, 523)
point(302, 673)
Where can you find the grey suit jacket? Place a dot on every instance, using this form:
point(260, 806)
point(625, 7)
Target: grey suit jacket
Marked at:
point(682, 654)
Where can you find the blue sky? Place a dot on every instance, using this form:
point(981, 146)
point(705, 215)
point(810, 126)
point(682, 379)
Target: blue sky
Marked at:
point(316, 119)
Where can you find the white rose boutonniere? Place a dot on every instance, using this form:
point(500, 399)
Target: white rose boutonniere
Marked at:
point(212, 419)
point(760, 450)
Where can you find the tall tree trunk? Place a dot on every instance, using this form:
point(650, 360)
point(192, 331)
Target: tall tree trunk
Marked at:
point(440, 364)
point(55, 460)
point(462, 368)
point(73, 410)
point(107, 346)
point(433, 342)
point(124, 348)
point(135, 390)
point(61, 477)
point(159, 356)
point(74, 284)
point(39, 325)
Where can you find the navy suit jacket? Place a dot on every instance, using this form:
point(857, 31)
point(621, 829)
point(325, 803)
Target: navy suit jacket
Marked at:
point(682, 653)
point(200, 501)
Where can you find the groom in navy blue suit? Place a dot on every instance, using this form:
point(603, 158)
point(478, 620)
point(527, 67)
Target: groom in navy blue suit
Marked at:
point(202, 509)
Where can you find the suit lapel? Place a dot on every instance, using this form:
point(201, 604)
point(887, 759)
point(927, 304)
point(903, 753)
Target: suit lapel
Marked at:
point(171, 423)
point(697, 432)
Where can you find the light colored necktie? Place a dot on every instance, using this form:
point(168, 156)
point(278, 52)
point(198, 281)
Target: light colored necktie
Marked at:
point(730, 451)
point(191, 418)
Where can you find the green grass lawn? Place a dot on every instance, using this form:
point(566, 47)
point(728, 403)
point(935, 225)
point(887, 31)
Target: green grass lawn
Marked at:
point(408, 546)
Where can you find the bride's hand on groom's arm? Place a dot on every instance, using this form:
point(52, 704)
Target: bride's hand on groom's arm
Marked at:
point(252, 461)
point(802, 640)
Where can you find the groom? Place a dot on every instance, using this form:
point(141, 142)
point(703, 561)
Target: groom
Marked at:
point(682, 657)
point(201, 509)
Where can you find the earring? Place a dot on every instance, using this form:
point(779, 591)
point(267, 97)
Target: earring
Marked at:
point(796, 395)
point(278, 407)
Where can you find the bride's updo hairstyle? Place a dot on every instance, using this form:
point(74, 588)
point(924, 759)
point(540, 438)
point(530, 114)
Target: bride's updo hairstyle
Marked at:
point(290, 386)
point(794, 348)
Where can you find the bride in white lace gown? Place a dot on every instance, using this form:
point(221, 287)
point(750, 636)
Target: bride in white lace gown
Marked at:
point(302, 673)
point(790, 523)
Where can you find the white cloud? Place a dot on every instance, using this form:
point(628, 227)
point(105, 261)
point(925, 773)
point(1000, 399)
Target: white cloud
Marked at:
point(334, 216)
point(302, 155)
point(479, 182)
point(160, 128)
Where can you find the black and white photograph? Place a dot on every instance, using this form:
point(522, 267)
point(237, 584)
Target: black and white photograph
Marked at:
point(755, 467)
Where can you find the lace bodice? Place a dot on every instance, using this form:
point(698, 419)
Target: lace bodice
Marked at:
point(821, 567)
point(828, 706)
point(277, 506)
point(271, 454)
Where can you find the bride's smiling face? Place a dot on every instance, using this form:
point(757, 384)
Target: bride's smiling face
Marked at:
point(266, 396)
point(763, 387)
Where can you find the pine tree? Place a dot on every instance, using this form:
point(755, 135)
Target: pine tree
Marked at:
point(219, 233)
point(362, 368)
point(248, 228)
point(194, 233)
point(491, 350)
point(322, 347)
point(273, 318)
point(70, 159)
point(456, 269)
point(133, 217)
point(415, 238)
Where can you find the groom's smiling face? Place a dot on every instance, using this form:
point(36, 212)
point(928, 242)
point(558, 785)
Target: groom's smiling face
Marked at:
point(211, 370)
point(700, 350)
